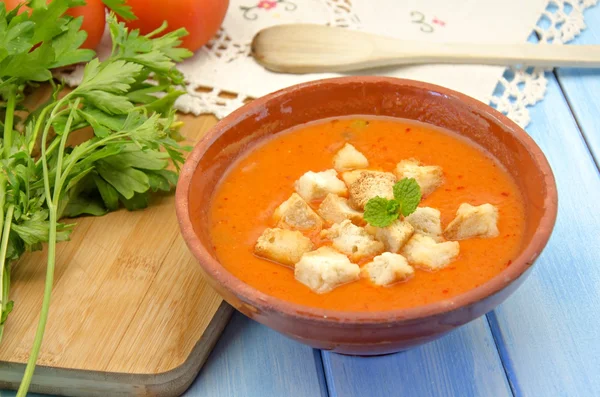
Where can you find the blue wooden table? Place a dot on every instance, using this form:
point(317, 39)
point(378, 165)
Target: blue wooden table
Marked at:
point(543, 341)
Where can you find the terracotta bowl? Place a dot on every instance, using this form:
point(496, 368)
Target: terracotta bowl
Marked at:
point(364, 333)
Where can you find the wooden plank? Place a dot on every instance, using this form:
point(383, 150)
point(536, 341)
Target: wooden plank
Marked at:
point(581, 87)
point(253, 360)
point(130, 313)
point(463, 363)
point(547, 331)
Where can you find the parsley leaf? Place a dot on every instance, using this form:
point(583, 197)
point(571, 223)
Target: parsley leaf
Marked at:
point(114, 77)
point(381, 212)
point(109, 194)
point(407, 193)
point(127, 100)
point(108, 102)
point(66, 45)
point(120, 8)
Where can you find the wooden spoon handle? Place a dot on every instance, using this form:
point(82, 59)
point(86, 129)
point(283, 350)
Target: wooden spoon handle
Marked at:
point(546, 55)
point(315, 48)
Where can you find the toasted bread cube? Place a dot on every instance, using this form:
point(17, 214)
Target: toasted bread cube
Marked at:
point(395, 235)
point(348, 158)
point(371, 184)
point(426, 253)
point(387, 269)
point(282, 246)
point(349, 177)
point(295, 213)
point(426, 221)
point(372, 230)
point(352, 240)
point(316, 185)
point(324, 269)
point(429, 177)
point(335, 209)
point(473, 221)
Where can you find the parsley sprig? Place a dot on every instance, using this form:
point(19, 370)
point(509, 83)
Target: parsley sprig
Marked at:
point(127, 102)
point(381, 212)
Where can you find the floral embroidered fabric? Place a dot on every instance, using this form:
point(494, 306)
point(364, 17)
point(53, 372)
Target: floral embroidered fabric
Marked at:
point(222, 76)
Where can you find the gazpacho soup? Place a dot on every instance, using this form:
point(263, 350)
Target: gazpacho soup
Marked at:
point(366, 213)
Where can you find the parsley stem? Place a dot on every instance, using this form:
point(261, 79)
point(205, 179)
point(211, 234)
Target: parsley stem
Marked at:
point(7, 221)
point(61, 150)
point(38, 126)
point(8, 122)
point(4, 264)
point(39, 333)
point(2, 196)
point(53, 221)
point(55, 106)
point(158, 30)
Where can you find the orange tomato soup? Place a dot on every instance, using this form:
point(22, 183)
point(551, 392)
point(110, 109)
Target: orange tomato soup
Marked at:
point(263, 178)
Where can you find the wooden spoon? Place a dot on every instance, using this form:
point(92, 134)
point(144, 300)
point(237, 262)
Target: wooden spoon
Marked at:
point(306, 48)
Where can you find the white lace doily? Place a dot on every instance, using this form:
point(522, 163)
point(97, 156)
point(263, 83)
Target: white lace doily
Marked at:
point(560, 22)
point(222, 76)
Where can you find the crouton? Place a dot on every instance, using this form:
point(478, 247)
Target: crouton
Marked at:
point(473, 221)
point(387, 269)
point(372, 230)
point(370, 184)
point(424, 252)
point(295, 213)
point(352, 240)
point(349, 177)
point(429, 177)
point(316, 185)
point(426, 221)
point(335, 209)
point(324, 269)
point(348, 158)
point(395, 235)
point(282, 246)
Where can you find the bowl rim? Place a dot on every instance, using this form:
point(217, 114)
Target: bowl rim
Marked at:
point(264, 302)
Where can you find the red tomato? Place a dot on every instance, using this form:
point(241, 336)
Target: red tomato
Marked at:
point(94, 19)
point(201, 18)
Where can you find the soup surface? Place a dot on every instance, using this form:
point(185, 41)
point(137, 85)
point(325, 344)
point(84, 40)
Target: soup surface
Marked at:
point(264, 177)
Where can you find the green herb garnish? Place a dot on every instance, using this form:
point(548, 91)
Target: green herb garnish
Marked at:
point(381, 212)
point(407, 193)
point(135, 133)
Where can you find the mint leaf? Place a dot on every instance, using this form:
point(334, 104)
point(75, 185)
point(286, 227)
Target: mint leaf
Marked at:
point(381, 212)
point(407, 193)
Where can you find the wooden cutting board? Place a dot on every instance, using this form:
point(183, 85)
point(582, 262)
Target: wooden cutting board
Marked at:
point(131, 313)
